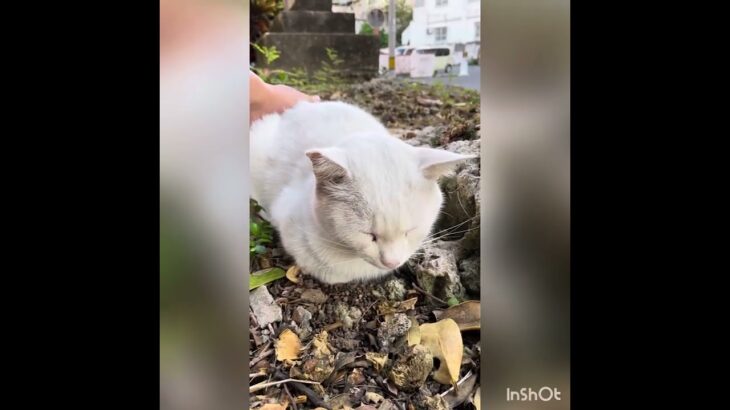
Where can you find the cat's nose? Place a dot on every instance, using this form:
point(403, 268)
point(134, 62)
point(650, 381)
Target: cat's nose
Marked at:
point(390, 263)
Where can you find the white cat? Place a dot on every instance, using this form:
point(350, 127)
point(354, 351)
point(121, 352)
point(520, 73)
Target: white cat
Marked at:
point(350, 201)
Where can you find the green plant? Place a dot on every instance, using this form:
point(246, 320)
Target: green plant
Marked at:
point(330, 71)
point(270, 54)
point(368, 30)
point(260, 230)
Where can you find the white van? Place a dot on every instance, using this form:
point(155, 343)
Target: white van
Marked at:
point(444, 57)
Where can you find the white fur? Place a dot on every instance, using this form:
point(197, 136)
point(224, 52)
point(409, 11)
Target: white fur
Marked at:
point(397, 184)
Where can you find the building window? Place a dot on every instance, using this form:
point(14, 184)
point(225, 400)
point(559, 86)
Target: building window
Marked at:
point(439, 34)
point(477, 30)
point(440, 3)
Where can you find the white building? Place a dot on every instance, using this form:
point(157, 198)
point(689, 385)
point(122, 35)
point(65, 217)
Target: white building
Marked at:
point(444, 22)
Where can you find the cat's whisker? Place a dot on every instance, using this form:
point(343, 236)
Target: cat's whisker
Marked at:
point(448, 234)
point(450, 228)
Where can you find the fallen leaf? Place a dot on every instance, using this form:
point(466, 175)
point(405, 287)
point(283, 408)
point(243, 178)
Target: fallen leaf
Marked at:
point(465, 387)
point(265, 276)
point(389, 307)
point(414, 333)
point(377, 359)
point(467, 315)
point(319, 344)
point(288, 346)
point(373, 397)
point(273, 406)
point(315, 296)
point(300, 399)
point(443, 339)
point(293, 273)
point(408, 304)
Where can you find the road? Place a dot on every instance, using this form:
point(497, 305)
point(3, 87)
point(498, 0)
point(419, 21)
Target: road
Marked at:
point(471, 81)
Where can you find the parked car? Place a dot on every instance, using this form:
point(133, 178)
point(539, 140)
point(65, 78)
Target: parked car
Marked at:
point(444, 57)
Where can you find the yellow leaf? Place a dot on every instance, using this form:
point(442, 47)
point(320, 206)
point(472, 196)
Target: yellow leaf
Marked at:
point(273, 406)
point(319, 345)
point(414, 333)
point(377, 359)
point(293, 273)
point(467, 315)
point(443, 339)
point(388, 307)
point(288, 347)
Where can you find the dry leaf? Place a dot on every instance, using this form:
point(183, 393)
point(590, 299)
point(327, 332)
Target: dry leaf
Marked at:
point(377, 359)
point(388, 307)
point(408, 304)
point(319, 345)
point(293, 273)
point(373, 397)
point(478, 399)
point(443, 339)
point(273, 406)
point(288, 347)
point(467, 315)
point(300, 399)
point(465, 388)
point(414, 333)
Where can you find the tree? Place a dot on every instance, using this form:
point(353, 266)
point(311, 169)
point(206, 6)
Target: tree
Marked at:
point(403, 17)
point(367, 29)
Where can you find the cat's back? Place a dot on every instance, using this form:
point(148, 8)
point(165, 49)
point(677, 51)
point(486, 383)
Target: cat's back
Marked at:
point(278, 142)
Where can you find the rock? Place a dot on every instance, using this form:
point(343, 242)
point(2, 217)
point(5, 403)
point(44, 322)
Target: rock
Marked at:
point(460, 218)
point(387, 404)
point(263, 306)
point(340, 402)
point(356, 377)
point(469, 273)
point(430, 402)
point(411, 369)
point(315, 296)
point(394, 326)
point(428, 136)
point(436, 270)
point(318, 369)
point(302, 317)
point(392, 289)
point(349, 316)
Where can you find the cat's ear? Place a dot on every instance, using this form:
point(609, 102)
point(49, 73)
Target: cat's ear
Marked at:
point(329, 165)
point(436, 162)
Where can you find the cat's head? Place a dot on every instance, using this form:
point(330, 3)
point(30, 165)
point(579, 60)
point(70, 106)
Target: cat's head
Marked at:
point(378, 197)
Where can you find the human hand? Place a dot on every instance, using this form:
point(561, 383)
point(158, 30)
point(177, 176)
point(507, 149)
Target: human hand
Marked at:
point(269, 99)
